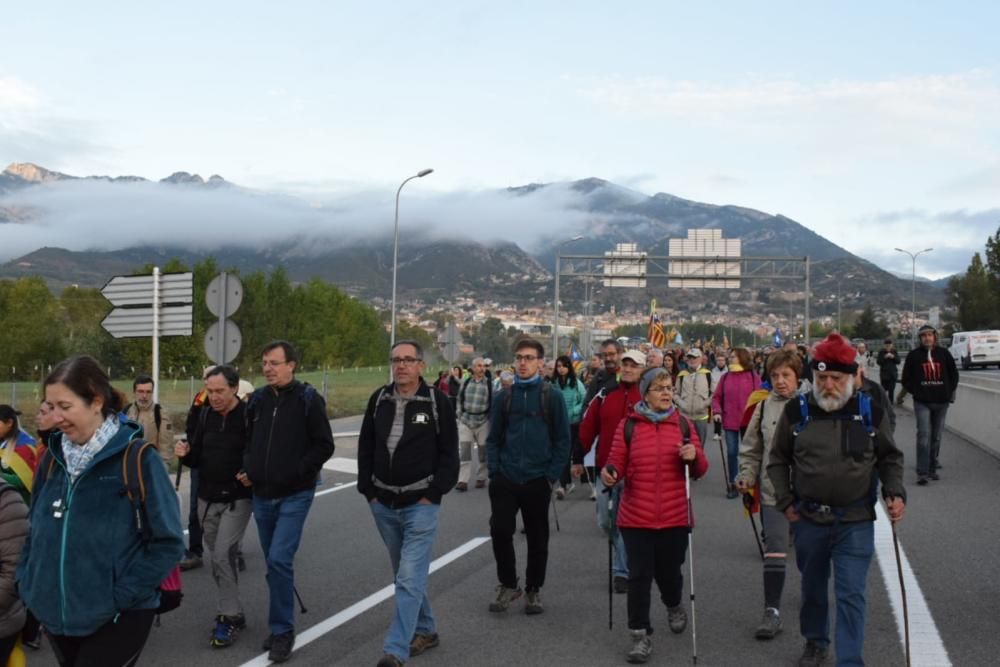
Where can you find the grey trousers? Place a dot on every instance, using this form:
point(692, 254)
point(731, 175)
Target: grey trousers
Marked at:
point(223, 525)
point(466, 438)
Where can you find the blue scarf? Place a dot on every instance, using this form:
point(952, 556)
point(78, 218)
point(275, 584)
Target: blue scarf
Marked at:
point(527, 383)
point(643, 409)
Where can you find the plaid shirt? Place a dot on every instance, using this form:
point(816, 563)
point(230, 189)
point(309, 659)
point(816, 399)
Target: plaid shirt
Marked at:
point(477, 407)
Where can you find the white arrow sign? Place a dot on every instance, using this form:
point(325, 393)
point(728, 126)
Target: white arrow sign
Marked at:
point(138, 322)
point(138, 290)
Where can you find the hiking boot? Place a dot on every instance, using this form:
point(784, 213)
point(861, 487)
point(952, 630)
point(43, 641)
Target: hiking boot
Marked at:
point(621, 585)
point(389, 660)
point(677, 619)
point(191, 561)
point(813, 655)
point(266, 644)
point(422, 642)
point(533, 604)
point(922, 481)
point(227, 628)
point(281, 646)
point(480, 483)
point(732, 492)
point(642, 647)
point(934, 477)
point(504, 597)
point(462, 486)
point(770, 625)
point(560, 493)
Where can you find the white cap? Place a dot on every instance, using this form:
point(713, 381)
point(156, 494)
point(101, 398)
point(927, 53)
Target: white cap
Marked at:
point(635, 355)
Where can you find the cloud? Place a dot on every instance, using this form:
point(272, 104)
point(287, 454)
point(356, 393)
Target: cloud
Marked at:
point(986, 181)
point(98, 215)
point(17, 96)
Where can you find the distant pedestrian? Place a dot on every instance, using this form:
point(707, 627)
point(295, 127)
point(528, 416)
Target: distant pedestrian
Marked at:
point(729, 401)
point(930, 374)
point(607, 377)
point(155, 422)
point(573, 392)
point(475, 399)
point(693, 393)
point(888, 363)
point(407, 461)
point(527, 447)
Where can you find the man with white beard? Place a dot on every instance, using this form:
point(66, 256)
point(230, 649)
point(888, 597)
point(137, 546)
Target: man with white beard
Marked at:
point(827, 447)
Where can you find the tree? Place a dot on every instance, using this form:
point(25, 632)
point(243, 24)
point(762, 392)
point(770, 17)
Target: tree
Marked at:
point(30, 327)
point(976, 295)
point(868, 327)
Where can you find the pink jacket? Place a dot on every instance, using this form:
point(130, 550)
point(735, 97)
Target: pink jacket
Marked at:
point(730, 397)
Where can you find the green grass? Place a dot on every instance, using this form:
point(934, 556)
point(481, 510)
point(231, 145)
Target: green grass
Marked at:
point(346, 391)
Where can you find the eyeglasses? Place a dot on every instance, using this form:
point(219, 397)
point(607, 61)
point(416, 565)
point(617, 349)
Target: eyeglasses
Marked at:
point(404, 361)
point(660, 388)
point(524, 357)
point(272, 364)
point(610, 355)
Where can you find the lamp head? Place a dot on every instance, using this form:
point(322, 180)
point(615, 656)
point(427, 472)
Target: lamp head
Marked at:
point(424, 172)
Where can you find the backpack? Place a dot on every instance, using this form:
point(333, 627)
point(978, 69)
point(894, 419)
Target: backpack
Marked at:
point(384, 394)
point(157, 415)
point(489, 397)
point(304, 390)
point(863, 417)
point(544, 397)
point(680, 380)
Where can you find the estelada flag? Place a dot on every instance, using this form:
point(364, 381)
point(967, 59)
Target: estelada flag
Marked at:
point(756, 396)
point(576, 358)
point(655, 335)
point(18, 460)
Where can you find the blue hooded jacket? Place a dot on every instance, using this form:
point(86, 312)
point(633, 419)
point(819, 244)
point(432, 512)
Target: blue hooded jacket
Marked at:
point(81, 569)
point(521, 446)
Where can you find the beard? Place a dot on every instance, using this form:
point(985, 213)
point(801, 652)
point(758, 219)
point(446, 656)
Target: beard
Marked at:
point(834, 401)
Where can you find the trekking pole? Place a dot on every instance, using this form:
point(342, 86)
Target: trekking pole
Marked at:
point(748, 504)
point(554, 510)
point(302, 607)
point(694, 625)
point(611, 558)
point(593, 489)
point(177, 482)
point(722, 454)
point(902, 589)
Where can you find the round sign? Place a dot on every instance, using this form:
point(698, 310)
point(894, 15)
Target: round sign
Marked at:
point(224, 295)
point(223, 346)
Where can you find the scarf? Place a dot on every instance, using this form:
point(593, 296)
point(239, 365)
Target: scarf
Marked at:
point(735, 368)
point(78, 457)
point(537, 379)
point(643, 409)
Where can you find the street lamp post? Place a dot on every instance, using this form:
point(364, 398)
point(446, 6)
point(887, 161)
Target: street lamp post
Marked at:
point(395, 259)
point(840, 327)
point(913, 291)
point(555, 324)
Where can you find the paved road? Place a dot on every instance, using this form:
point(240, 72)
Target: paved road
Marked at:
point(950, 537)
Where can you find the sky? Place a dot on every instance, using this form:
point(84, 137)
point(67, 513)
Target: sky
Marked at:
point(876, 125)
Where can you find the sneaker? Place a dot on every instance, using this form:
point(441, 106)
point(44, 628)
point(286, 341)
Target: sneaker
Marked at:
point(770, 625)
point(569, 489)
point(422, 642)
point(922, 481)
point(191, 561)
point(34, 643)
point(560, 493)
point(813, 655)
point(533, 604)
point(266, 644)
point(227, 628)
point(934, 477)
point(642, 647)
point(389, 660)
point(480, 483)
point(621, 585)
point(505, 596)
point(732, 492)
point(677, 619)
point(281, 646)
point(461, 486)
point(593, 493)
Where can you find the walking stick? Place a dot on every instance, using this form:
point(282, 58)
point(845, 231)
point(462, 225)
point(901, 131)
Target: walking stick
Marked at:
point(694, 625)
point(611, 548)
point(722, 454)
point(177, 482)
point(902, 588)
point(748, 504)
point(554, 510)
point(302, 607)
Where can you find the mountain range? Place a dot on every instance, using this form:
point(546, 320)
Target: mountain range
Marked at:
point(437, 267)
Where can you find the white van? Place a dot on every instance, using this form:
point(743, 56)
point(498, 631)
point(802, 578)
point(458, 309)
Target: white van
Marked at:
point(975, 348)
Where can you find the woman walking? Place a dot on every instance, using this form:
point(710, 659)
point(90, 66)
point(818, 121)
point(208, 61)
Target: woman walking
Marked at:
point(729, 400)
point(573, 392)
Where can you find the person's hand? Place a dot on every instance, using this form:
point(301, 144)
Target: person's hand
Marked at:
point(424, 501)
point(717, 418)
point(688, 453)
point(741, 485)
point(896, 508)
point(576, 470)
point(609, 476)
point(791, 514)
point(243, 479)
point(181, 448)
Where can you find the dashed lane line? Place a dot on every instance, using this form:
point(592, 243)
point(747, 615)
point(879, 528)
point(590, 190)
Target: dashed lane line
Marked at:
point(361, 606)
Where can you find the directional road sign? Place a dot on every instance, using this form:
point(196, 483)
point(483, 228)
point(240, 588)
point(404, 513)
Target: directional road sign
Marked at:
point(138, 290)
point(138, 322)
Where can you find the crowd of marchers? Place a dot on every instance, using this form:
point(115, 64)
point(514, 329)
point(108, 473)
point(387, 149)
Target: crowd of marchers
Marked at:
point(91, 541)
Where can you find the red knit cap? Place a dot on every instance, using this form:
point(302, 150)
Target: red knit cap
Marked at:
point(834, 353)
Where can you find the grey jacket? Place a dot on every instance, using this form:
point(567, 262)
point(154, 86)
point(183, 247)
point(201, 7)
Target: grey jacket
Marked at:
point(13, 532)
point(755, 447)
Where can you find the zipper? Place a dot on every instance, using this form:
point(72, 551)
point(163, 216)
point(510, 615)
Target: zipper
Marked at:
point(62, 545)
point(270, 438)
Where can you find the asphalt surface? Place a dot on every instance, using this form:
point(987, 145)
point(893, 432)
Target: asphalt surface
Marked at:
point(950, 535)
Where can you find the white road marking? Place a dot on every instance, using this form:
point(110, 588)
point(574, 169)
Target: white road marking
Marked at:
point(926, 647)
point(341, 464)
point(361, 606)
point(338, 487)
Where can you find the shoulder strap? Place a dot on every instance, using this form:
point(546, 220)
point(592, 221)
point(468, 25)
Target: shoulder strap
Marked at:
point(629, 429)
point(685, 429)
point(157, 417)
point(461, 392)
point(135, 483)
point(865, 411)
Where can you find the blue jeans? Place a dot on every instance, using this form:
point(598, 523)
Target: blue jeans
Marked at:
point(279, 526)
point(930, 423)
point(850, 546)
point(733, 453)
point(408, 533)
point(619, 564)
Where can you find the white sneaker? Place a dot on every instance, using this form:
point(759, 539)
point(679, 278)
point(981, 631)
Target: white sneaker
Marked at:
point(569, 489)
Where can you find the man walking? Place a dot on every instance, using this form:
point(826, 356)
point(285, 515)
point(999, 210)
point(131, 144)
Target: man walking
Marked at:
point(156, 427)
point(407, 460)
point(607, 377)
point(475, 397)
point(826, 450)
point(694, 393)
point(930, 375)
point(888, 364)
point(216, 450)
point(289, 441)
point(526, 450)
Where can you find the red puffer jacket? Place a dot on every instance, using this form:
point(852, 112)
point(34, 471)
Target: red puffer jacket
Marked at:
point(602, 416)
point(654, 496)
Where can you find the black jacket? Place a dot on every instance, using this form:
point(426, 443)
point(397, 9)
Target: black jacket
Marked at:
point(930, 375)
point(887, 367)
point(218, 444)
point(602, 380)
point(426, 448)
point(289, 439)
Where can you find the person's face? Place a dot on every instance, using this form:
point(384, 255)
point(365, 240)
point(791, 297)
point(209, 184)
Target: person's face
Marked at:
point(596, 362)
point(888, 346)
point(527, 363)
point(668, 361)
point(277, 370)
point(927, 339)
point(220, 395)
point(457, 372)
point(832, 384)
point(562, 369)
point(660, 394)
point(862, 348)
point(406, 367)
point(720, 361)
point(610, 354)
point(478, 370)
point(5, 428)
point(631, 371)
point(694, 363)
point(548, 369)
point(76, 418)
point(654, 359)
point(784, 381)
point(144, 395)
point(44, 420)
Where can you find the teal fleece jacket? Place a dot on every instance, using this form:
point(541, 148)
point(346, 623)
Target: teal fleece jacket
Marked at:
point(78, 571)
point(521, 446)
